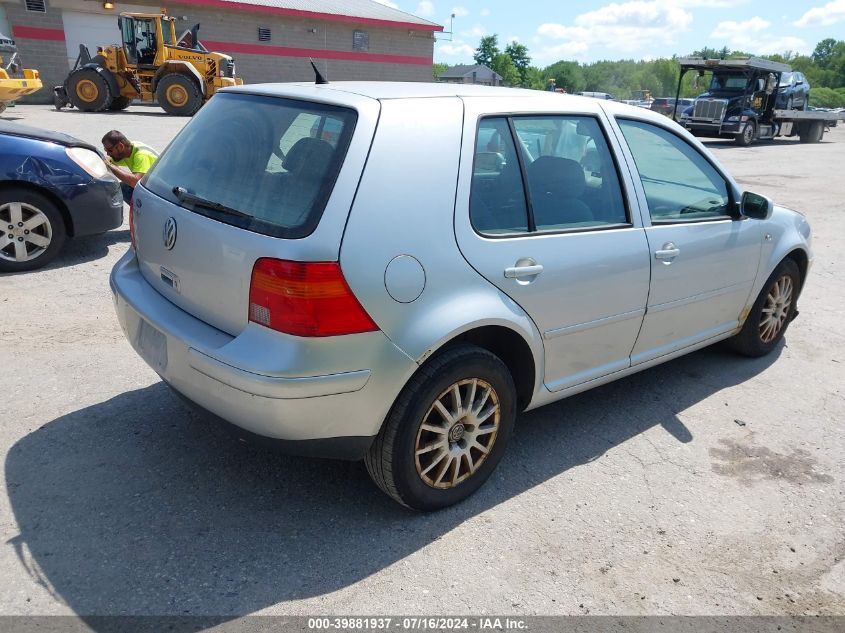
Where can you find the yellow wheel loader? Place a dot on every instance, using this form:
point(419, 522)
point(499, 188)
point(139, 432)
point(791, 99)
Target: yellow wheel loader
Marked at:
point(151, 64)
point(15, 80)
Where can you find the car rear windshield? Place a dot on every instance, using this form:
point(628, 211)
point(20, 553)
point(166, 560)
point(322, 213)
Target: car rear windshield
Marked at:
point(264, 164)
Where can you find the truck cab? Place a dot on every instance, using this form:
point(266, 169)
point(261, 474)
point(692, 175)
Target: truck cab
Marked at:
point(739, 102)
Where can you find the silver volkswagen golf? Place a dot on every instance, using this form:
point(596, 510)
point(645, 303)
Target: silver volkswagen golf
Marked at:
point(392, 271)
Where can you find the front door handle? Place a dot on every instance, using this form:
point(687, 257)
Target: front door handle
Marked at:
point(524, 268)
point(668, 252)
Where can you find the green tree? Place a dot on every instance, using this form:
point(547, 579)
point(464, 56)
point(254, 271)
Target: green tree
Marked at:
point(487, 50)
point(437, 69)
point(503, 64)
point(534, 79)
point(567, 75)
point(519, 56)
point(824, 52)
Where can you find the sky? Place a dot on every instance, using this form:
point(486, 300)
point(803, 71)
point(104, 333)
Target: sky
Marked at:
point(633, 29)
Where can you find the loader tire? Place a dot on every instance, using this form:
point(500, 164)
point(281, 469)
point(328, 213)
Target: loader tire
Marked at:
point(178, 95)
point(89, 91)
point(120, 103)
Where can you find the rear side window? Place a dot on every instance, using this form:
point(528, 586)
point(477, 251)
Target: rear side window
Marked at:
point(265, 164)
point(497, 199)
point(559, 175)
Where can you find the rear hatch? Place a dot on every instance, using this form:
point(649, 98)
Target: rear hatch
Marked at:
point(251, 176)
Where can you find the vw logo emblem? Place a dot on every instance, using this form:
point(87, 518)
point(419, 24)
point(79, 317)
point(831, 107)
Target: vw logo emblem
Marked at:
point(169, 234)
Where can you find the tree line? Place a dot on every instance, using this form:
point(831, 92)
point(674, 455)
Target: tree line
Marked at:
point(824, 69)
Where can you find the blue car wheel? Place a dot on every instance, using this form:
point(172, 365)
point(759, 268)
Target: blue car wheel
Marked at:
point(32, 230)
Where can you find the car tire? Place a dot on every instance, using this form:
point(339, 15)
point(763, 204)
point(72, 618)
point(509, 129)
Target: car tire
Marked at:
point(89, 91)
point(772, 312)
point(747, 135)
point(24, 247)
point(428, 414)
point(178, 95)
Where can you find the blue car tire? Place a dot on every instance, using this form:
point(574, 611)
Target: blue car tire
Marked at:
point(32, 230)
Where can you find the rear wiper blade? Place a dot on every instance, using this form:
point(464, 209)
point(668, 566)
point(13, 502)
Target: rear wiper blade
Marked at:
point(186, 196)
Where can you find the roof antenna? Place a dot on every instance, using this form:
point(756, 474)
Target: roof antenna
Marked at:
point(319, 79)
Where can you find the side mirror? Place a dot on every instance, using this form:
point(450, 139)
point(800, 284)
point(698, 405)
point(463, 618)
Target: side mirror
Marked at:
point(755, 206)
point(798, 82)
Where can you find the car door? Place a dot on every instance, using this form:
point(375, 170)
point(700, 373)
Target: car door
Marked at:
point(542, 215)
point(704, 258)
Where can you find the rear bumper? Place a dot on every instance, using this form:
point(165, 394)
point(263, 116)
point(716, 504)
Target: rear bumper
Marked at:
point(323, 397)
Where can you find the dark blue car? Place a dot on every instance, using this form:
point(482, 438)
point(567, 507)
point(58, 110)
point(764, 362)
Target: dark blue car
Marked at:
point(793, 91)
point(52, 186)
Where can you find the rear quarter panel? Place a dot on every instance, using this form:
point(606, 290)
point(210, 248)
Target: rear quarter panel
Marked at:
point(405, 206)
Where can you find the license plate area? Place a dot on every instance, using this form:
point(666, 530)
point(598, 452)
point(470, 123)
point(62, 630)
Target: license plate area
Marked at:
point(152, 346)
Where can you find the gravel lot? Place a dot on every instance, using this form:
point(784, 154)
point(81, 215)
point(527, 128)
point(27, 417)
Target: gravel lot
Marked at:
point(709, 485)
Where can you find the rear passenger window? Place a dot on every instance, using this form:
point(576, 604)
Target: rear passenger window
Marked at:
point(497, 199)
point(572, 181)
point(564, 169)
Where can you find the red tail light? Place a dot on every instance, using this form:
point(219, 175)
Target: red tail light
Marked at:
point(132, 223)
point(305, 299)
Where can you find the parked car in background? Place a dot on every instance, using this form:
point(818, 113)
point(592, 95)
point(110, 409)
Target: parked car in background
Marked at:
point(681, 106)
point(596, 95)
point(793, 92)
point(663, 105)
point(451, 256)
point(52, 186)
point(670, 105)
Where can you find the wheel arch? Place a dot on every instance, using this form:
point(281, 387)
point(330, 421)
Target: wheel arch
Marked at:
point(801, 259)
point(50, 195)
point(511, 348)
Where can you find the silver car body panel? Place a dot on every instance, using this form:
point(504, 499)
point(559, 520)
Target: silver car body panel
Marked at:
point(405, 206)
point(407, 179)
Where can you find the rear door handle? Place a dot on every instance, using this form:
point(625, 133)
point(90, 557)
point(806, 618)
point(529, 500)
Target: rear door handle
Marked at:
point(520, 272)
point(668, 252)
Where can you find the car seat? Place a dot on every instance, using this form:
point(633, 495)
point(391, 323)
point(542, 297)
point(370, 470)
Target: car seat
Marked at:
point(556, 185)
point(307, 164)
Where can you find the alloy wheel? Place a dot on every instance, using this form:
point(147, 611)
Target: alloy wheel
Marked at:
point(25, 232)
point(776, 309)
point(457, 433)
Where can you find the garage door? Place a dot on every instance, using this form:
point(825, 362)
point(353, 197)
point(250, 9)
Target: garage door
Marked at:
point(90, 29)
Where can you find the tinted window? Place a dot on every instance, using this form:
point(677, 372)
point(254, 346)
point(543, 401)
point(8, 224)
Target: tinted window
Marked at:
point(572, 181)
point(680, 184)
point(273, 160)
point(497, 199)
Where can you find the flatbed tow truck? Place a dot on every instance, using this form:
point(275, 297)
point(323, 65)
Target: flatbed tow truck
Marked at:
point(741, 103)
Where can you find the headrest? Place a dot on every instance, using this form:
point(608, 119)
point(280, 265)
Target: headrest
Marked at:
point(313, 152)
point(558, 176)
